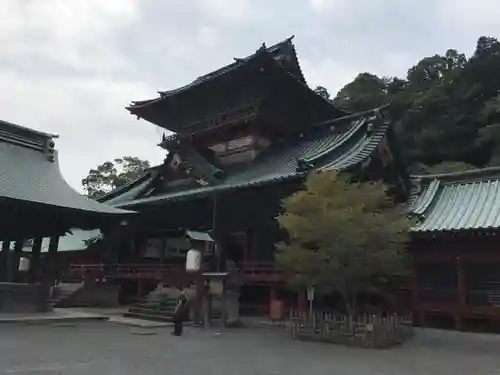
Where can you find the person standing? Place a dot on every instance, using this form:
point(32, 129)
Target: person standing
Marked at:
point(180, 313)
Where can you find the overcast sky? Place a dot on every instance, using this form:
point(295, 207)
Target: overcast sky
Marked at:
point(71, 66)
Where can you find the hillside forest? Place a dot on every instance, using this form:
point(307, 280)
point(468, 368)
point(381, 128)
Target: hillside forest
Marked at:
point(445, 112)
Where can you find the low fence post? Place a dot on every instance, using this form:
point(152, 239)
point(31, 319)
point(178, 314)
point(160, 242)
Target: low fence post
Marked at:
point(373, 331)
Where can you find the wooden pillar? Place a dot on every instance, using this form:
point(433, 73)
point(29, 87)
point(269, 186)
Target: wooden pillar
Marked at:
point(419, 315)
point(14, 264)
point(301, 300)
point(272, 292)
point(4, 258)
point(34, 271)
point(272, 297)
point(461, 294)
point(51, 268)
point(250, 253)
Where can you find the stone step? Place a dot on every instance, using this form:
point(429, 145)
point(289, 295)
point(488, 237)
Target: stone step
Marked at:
point(159, 303)
point(155, 307)
point(64, 290)
point(148, 316)
point(152, 311)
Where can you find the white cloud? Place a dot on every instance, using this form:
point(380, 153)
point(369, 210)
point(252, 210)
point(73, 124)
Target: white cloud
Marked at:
point(70, 67)
point(329, 73)
point(226, 11)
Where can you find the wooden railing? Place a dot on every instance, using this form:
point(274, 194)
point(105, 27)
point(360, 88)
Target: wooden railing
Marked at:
point(260, 271)
point(123, 270)
point(441, 295)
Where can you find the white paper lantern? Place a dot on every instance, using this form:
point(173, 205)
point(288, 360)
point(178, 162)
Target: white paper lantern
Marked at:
point(24, 264)
point(193, 260)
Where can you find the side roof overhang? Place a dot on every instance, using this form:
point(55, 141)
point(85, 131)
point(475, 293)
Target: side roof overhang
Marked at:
point(31, 181)
point(327, 149)
point(456, 202)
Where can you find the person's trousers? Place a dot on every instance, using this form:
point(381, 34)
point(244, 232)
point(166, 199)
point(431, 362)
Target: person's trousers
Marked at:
point(177, 327)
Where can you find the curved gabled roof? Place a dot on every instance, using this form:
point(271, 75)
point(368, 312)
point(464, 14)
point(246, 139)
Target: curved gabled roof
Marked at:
point(282, 60)
point(282, 50)
point(29, 172)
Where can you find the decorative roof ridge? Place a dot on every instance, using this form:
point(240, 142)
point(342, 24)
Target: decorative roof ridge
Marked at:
point(460, 177)
point(360, 150)
point(5, 125)
point(298, 61)
point(360, 122)
point(352, 116)
point(28, 138)
point(343, 138)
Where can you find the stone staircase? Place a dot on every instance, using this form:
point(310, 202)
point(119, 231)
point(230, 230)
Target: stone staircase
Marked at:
point(158, 308)
point(493, 296)
point(63, 291)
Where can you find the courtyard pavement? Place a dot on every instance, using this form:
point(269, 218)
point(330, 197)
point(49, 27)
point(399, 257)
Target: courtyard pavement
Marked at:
point(107, 348)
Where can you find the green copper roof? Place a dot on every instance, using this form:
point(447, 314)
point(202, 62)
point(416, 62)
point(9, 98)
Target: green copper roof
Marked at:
point(327, 149)
point(29, 171)
point(457, 201)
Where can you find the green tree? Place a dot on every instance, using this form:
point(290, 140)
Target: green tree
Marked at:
point(367, 91)
point(323, 92)
point(113, 174)
point(343, 237)
point(446, 109)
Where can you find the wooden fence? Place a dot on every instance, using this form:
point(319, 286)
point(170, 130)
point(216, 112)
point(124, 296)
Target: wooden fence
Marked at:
point(371, 331)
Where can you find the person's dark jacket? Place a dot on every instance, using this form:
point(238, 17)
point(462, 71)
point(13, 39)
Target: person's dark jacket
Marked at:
point(182, 310)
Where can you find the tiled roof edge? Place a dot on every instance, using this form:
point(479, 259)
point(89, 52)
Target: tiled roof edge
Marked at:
point(470, 175)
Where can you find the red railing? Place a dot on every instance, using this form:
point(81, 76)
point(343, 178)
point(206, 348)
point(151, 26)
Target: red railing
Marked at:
point(255, 271)
point(134, 271)
point(261, 271)
point(83, 272)
point(122, 270)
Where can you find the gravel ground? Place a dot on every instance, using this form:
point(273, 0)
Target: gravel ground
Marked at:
point(104, 348)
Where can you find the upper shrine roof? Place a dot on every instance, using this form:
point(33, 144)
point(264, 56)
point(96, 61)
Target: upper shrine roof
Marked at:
point(338, 144)
point(456, 201)
point(264, 80)
point(283, 52)
point(29, 172)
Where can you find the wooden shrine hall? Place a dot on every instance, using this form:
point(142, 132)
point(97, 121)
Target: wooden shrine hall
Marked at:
point(37, 203)
point(242, 138)
point(456, 272)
